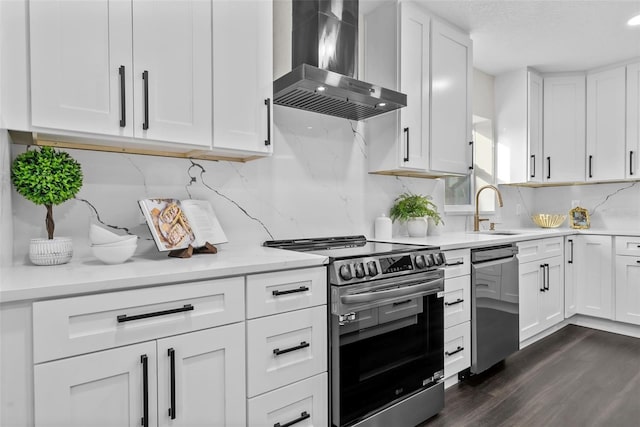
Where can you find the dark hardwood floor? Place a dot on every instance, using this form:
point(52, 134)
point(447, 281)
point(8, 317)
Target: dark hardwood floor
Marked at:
point(575, 377)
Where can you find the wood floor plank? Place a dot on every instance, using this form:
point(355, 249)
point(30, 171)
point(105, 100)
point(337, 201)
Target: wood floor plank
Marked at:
point(575, 377)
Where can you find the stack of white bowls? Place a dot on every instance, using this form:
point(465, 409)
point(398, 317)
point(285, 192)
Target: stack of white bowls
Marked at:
point(109, 247)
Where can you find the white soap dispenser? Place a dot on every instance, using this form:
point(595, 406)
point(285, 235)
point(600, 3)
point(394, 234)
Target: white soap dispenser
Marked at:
point(382, 227)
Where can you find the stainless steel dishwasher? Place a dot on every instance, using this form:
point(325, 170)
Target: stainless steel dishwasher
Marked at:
point(495, 330)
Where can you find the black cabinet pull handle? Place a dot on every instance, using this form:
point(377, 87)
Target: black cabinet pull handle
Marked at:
point(638, 261)
point(267, 102)
point(123, 104)
point(145, 390)
point(548, 167)
point(303, 416)
point(289, 291)
point(302, 345)
point(473, 157)
point(570, 261)
point(544, 278)
point(590, 166)
point(401, 302)
point(458, 301)
point(451, 264)
point(546, 269)
point(451, 353)
point(630, 162)
point(172, 381)
point(533, 167)
point(124, 318)
point(145, 79)
point(406, 157)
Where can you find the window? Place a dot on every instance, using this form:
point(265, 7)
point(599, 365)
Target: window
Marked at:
point(459, 191)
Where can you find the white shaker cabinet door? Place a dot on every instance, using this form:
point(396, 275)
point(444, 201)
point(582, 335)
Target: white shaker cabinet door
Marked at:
point(208, 371)
point(606, 125)
point(81, 66)
point(172, 70)
point(628, 289)
point(451, 68)
point(593, 269)
point(632, 154)
point(531, 289)
point(243, 75)
point(564, 129)
point(103, 389)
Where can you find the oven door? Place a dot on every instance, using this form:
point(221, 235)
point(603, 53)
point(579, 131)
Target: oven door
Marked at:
point(387, 349)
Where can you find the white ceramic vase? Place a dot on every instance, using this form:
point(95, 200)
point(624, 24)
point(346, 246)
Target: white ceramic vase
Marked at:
point(58, 250)
point(417, 227)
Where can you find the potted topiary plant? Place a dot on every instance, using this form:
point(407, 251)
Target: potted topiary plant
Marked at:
point(47, 177)
point(414, 210)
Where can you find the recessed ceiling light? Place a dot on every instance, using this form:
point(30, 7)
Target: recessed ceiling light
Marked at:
point(634, 21)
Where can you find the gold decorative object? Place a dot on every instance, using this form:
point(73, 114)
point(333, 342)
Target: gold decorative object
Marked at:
point(548, 220)
point(579, 218)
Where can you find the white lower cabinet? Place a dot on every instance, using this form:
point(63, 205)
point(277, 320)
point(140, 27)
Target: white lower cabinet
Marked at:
point(541, 294)
point(113, 387)
point(303, 403)
point(457, 312)
point(627, 287)
point(592, 263)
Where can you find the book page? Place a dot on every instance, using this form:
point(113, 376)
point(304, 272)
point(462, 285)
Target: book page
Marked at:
point(204, 222)
point(167, 222)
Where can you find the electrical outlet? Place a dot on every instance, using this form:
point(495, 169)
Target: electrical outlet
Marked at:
point(518, 209)
point(575, 203)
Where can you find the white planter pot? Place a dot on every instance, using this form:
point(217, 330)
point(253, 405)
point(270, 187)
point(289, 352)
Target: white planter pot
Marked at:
point(58, 250)
point(417, 227)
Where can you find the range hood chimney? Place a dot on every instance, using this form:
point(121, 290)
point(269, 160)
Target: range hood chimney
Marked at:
point(324, 65)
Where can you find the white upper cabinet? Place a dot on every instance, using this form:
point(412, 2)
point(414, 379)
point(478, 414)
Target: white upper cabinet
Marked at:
point(136, 68)
point(403, 46)
point(518, 100)
point(172, 70)
point(81, 66)
point(632, 166)
point(451, 68)
point(243, 75)
point(564, 129)
point(606, 125)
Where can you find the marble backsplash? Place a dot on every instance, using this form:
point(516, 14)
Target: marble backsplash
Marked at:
point(315, 184)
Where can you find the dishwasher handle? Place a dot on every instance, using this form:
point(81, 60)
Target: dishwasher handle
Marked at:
point(493, 262)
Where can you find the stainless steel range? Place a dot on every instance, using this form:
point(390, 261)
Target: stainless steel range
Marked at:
point(386, 329)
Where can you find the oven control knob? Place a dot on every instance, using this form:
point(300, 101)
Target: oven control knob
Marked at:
point(372, 268)
point(439, 258)
point(345, 272)
point(420, 261)
point(359, 270)
point(430, 260)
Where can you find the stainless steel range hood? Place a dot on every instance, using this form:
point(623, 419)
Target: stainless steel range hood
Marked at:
point(324, 65)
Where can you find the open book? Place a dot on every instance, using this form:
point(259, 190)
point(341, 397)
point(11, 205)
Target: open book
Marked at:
point(176, 224)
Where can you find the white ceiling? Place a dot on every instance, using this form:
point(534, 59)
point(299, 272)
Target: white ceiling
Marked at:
point(549, 35)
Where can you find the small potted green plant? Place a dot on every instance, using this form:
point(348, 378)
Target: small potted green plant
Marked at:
point(47, 177)
point(414, 209)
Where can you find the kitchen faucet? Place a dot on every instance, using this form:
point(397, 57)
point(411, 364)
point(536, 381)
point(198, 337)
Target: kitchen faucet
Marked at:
point(476, 217)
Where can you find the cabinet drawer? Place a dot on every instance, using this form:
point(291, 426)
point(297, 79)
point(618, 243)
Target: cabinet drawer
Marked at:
point(626, 245)
point(273, 293)
point(76, 325)
point(457, 300)
point(533, 250)
point(457, 348)
point(305, 402)
point(458, 263)
point(286, 348)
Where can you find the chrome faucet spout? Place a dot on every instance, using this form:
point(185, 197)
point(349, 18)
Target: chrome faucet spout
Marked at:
point(476, 216)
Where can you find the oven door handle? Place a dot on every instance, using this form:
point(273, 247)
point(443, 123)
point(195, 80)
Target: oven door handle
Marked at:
point(424, 288)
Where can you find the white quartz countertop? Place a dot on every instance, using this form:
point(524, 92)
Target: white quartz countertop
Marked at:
point(470, 239)
point(29, 282)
